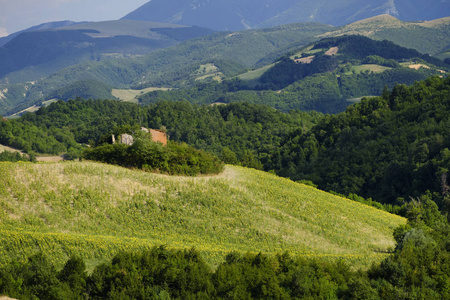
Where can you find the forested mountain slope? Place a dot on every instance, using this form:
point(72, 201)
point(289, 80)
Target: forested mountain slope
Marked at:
point(325, 76)
point(389, 148)
point(210, 58)
point(236, 132)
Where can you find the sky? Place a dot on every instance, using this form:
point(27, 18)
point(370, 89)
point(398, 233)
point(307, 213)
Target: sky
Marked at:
point(16, 15)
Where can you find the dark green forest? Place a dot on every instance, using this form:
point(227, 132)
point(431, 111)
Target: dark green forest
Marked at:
point(389, 148)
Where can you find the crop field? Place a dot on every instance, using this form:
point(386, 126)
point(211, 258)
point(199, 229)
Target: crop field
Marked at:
point(252, 77)
point(131, 95)
point(370, 68)
point(208, 71)
point(96, 210)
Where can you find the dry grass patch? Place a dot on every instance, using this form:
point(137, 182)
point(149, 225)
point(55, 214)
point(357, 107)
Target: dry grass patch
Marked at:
point(305, 60)
point(131, 95)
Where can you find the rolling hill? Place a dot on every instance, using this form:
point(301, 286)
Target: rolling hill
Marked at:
point(43, 26)
point(96, 210)
point(247, 14)
point(430, 37)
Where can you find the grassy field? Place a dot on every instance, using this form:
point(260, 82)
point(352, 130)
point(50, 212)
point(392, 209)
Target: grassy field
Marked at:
point(208, 71)
point(252, 77)
point(96, 210)
point(130, 95)
point(370, 68)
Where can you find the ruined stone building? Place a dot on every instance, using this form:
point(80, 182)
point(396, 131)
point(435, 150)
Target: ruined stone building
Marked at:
point(157, 136)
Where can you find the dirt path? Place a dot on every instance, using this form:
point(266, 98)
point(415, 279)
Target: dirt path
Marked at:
point(49, 159)
point(6, 148)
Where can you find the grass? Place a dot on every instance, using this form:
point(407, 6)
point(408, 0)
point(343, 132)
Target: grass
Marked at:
point(208, 71)
point(252, 77)
point(358, 99)
point(97, 210)
point(370, 68)
point(131, 95)
point(307, 52)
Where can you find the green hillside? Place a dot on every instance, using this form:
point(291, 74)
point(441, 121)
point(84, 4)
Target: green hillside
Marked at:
point(96, 210)
point(389, 148)
point(324, 76)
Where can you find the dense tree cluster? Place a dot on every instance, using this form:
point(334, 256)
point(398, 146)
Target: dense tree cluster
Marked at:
point(238, 133)
point(173, 159)
point(389, 148)
point(287, 71)
point(359, 47)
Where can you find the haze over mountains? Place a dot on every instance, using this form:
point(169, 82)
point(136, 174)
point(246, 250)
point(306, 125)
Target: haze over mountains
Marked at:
point(44, 51)
point(245, 14)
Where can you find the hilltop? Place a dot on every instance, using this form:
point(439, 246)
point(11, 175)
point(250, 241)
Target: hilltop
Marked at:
point(430, 37)
point(95, 210)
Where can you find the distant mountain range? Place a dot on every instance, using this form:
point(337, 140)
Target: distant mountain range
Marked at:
point(44, 26)
point(45, 49)
point(246, 14)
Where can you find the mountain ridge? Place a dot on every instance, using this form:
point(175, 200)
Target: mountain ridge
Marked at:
point(248, 14)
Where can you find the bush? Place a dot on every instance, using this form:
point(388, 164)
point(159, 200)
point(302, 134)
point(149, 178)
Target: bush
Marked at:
point(173, 159)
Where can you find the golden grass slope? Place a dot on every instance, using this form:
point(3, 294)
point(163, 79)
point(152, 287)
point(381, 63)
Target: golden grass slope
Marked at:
point(96, 210)
point(426, 37)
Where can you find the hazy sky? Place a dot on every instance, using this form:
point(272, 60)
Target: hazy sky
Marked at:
point(17, 15)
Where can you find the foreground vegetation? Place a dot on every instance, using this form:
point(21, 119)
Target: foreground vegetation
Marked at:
point(96, 210)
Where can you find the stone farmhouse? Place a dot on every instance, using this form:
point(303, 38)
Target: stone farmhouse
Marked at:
point(157, 136)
